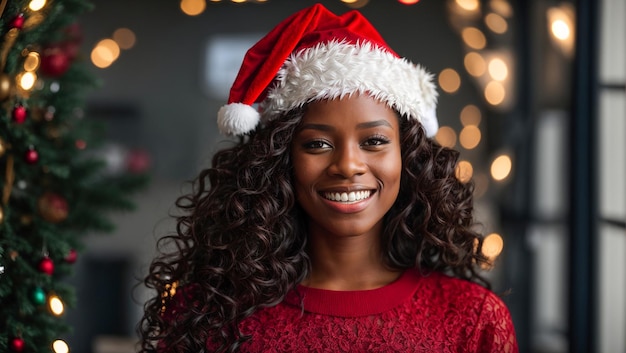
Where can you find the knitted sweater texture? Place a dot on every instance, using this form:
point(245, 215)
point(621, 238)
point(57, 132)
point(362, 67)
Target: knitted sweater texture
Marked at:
point(415, 313)
point(433, 313)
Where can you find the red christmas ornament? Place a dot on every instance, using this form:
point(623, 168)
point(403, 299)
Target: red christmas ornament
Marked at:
point(54, 61)
point(46, 266)
point(52, 207)
point(138, 161)
point(18, 22)
point(19, 114)
point(71, 256)
point(31, 156)
point(17, 345)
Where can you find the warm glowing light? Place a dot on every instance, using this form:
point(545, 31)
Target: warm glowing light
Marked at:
point(408, 2)
point(468, 5)
point(349, 1)
point(357, 4)
point(469, 137)
point(125, 38)
point(492, 246)
point(238, 1)
point(474, 38)
point(59, 346)
point(446, 136)
point(470, 115)
point(498, 69)
point(31, 63)
point(27, 80)
point(105, 53)
point(449, 80)
point(561, 25)
point(560, 29)
point(464, 171)
point(496, 23)
point(192, 7)
point(501, 167)
point(475, 64)
point(36, 5)
point(502, 7)
point(56, 305)
point(495, 93)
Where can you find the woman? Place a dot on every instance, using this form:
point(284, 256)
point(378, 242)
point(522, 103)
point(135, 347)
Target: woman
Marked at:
point(334, 223)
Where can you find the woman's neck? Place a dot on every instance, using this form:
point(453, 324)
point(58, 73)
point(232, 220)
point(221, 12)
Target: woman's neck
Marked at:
point(347, 263)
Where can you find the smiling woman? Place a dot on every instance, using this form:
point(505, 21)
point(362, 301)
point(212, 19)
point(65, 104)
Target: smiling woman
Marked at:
point(334, 222)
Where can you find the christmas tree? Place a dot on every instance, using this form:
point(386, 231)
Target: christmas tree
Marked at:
point(53, 190)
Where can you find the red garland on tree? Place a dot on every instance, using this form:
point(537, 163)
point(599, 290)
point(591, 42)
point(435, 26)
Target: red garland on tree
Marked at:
point(17, 345)
point(46, 266)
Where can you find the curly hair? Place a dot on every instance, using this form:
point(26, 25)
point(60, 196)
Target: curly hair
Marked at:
point(240, 244)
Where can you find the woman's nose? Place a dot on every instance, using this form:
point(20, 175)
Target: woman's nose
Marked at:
point(348, 161)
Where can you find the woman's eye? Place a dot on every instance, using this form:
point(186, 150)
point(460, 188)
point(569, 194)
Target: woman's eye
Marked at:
point(317, 144)
point(376, 141)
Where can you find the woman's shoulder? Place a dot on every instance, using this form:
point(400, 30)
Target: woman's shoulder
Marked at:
point(451, 291)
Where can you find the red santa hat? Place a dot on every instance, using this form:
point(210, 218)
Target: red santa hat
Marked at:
point(315, 54)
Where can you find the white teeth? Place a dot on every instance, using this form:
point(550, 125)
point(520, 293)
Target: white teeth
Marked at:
point(347, 196)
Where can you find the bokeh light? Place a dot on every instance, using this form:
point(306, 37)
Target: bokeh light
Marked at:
point(474, 38)
point(446, 136)
point(498, 69)
point(125, 38)
point(501, 167)
point(192, 7)
point(492, 246)
point(470, 137)
point(59, 346)
point(474, 64)
point(464, 171)
point(470, 115)
point(496, 23)
point(495, 93)
point(449, 80)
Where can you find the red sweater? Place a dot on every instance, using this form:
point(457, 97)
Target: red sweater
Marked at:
point(415, 313)
point(433, 313)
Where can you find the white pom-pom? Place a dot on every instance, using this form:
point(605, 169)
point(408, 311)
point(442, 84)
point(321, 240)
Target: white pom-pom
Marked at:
point(236, 119)
point(430, 123)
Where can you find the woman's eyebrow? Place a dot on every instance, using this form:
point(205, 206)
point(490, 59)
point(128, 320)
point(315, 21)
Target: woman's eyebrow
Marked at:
point(375, 123)
point(366, 125)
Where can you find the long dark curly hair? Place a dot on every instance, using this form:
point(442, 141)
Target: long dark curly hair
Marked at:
point(240, 243)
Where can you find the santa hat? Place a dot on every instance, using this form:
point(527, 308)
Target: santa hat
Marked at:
point(315, 54)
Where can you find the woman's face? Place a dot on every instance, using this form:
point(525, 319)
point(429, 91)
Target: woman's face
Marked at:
point(347, 165)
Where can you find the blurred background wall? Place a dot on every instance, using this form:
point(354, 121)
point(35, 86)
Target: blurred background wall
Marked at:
point(513, 93)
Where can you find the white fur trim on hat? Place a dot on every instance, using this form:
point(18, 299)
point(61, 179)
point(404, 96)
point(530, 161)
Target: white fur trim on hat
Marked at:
point(237, 119)
point(338, 69)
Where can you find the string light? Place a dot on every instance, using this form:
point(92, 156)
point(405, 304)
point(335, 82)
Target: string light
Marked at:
point(59, 346)
point(27, 80)
point(470, 137)
point(446, 137)
point(501, 167)
point(32, 61)
point(105, 53)
point(56, 305)
point(124, 37)
point(36, 5)
point(474, 64)
point(449, 80)
point(464, 171)
point(192, 7)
